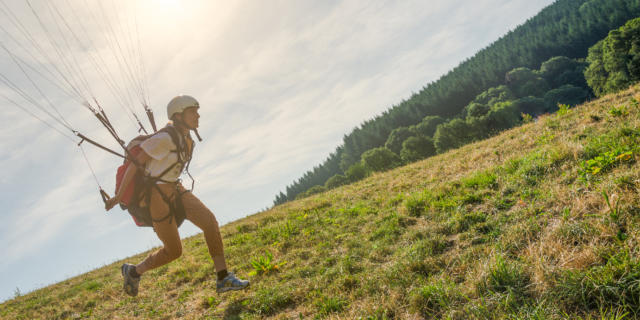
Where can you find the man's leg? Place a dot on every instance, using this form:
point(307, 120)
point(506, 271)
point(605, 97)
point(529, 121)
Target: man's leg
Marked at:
point(204, 219)
point(167, 231)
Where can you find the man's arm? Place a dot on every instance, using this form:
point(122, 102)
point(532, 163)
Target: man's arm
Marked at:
point(141, 160)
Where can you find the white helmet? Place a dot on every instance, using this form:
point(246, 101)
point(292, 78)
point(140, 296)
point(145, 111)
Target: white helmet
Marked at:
point(180, 103)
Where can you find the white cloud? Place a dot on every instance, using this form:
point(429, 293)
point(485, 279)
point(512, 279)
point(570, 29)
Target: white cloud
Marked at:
point(279, 84)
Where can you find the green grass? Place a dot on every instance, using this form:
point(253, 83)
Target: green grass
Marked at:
point(539, 222)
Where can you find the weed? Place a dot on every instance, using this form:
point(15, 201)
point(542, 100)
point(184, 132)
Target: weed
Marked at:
point(360, 209)
point(288, 230)
point(416, 204)
point(210, 302)
point(603, 162)
point(349, 265)
point(388, 228)
point(618, 112)
point(264, 264)
point(431, 300)
point(245, 228)
point(483, 179)
point(614, 210)
point(505, 277)
point(563, 109)
point(545, 139)
point(327, 305)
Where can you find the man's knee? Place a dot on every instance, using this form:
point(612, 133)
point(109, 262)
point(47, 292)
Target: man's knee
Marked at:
point(173, 252)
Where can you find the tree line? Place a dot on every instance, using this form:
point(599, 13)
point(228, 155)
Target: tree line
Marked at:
point(527, 71)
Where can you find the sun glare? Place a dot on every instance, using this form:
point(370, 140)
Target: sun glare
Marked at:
point(169, 4)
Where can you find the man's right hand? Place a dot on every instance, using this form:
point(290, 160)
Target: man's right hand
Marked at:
point(111, 203)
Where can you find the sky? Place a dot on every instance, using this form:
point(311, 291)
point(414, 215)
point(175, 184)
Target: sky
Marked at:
point(279, 84)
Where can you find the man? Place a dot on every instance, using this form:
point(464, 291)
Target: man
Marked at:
point(168, 201)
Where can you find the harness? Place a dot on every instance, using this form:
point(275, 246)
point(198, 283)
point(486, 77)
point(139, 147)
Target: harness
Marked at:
point(145, 182)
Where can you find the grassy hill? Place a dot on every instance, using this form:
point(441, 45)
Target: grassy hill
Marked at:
point(541, 221)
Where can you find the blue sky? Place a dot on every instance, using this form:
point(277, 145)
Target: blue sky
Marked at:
point(279, 82)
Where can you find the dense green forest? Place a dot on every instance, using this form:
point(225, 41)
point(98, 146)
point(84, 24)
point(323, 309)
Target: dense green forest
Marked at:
point(527, 71)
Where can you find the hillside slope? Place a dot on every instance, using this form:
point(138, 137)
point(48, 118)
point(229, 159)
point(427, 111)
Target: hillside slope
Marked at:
point(539, 221)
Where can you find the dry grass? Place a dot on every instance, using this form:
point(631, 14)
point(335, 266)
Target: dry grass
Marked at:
point(502, 228)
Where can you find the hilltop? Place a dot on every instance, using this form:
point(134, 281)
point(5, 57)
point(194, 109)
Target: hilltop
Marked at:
point(540, 221)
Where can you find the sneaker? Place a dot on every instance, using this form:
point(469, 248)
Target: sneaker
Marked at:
point(230, 282)
point(130, 283)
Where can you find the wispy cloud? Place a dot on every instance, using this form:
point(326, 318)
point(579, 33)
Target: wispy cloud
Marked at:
point(279, 82)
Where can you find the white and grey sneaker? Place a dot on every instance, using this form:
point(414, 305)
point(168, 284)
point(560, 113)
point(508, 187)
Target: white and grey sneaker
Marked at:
point(231, 282)
point(130, 283)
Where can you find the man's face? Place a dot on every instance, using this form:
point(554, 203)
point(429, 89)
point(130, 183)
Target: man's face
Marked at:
point(190, 117)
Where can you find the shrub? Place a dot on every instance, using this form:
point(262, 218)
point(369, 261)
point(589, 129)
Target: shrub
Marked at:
point(313, 190)
point(356, 172)
point(504, 115)
point(396, 137)
point(336, 181)
point(417, 148)
point(567, 94)
point(561, 70)
point(476, 110)
point(380, 159)
point(428, 126)
point(614, 62)
point(494, 95)
point(531, 105)
point(526, 82)
point(454, 134)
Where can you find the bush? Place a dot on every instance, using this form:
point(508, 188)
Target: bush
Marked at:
point(428, 126)
point(476, 110)
point(614, 62)
point(454, 134)
point(417, 148)
point(336, 181)
point(494, 95)
point(396, 137)
point(530, 105)
point(525, 82)
point(356, 172)
point(561, 70)
point(567, 94)
point(504, 115)
point(380, 159)
point(313, 190)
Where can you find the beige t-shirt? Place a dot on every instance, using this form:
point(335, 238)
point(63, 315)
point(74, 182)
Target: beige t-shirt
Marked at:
point(160, 147)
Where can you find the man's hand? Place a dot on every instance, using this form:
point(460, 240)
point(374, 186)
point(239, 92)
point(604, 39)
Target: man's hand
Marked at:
point(111, 203)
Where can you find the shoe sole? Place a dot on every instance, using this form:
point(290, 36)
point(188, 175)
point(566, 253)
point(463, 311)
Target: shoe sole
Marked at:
point(225, 289)
point(127, 287)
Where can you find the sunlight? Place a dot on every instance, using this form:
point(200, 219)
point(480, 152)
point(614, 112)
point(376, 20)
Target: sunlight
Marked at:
point(169, 4)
